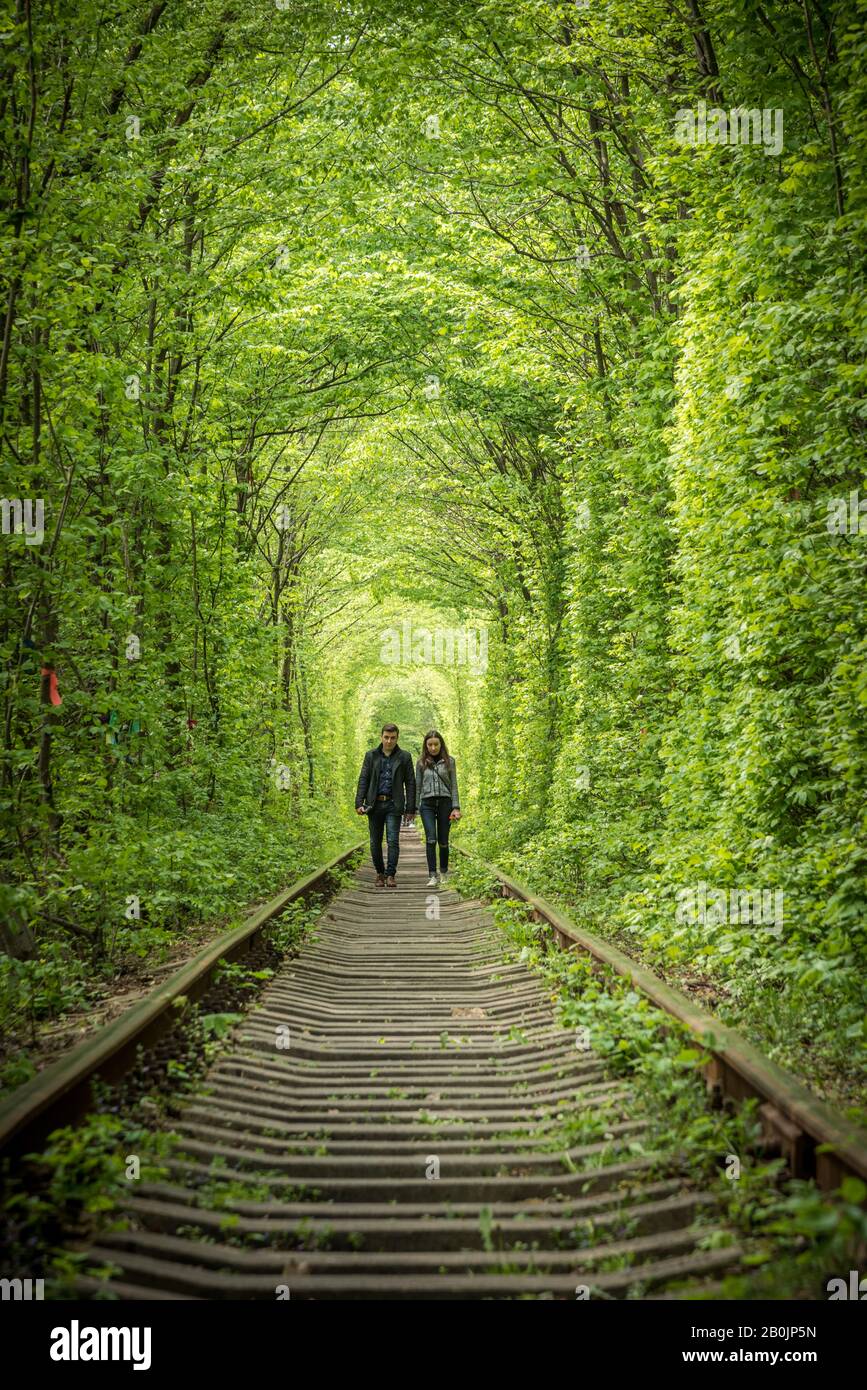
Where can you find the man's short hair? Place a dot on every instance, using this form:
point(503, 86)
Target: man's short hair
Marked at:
point(389, 729)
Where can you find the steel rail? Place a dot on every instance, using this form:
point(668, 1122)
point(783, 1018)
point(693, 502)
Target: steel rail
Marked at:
point(815, 1141)
point(61, 1092)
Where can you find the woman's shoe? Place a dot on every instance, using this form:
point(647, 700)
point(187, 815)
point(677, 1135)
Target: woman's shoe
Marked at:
point(391, 882)
point(380, 880)
point(432, 881)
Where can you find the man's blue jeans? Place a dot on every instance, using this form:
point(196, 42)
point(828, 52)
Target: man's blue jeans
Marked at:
point(382, 815)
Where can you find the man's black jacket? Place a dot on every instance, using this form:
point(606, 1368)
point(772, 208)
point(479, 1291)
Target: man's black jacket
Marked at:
point(403, 781)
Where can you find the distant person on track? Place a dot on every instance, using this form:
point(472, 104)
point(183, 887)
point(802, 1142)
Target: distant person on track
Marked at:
point(386, 791)
point(438, 801)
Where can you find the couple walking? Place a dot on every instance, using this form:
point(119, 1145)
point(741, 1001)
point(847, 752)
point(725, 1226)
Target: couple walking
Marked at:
point(388, 789)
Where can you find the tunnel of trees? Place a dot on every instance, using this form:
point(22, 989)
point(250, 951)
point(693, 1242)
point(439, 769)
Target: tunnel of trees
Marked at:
point(497, 366)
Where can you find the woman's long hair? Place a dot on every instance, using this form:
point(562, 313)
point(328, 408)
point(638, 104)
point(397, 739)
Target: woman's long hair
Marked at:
point(427, 758)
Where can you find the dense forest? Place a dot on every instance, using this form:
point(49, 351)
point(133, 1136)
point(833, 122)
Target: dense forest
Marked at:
point(498, 367)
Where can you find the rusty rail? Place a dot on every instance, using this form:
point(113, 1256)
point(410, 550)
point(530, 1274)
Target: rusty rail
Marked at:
point(61, 1092)
point(815, 1141)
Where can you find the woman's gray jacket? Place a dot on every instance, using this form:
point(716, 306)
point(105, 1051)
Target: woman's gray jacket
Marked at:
point(439, 780)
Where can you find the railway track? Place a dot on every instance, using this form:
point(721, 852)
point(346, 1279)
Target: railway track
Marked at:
point(385, 1125)
point(399, 1115)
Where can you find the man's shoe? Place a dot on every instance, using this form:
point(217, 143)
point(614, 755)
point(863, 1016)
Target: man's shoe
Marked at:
point(380, 880)
point(432, 881)
point(390, 881)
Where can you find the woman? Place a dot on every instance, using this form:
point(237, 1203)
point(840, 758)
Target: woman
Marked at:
point(436, 782)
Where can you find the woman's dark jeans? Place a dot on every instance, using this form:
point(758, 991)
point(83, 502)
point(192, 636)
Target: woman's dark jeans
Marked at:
point(435, 812)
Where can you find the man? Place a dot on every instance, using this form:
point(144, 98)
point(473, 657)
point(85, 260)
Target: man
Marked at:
point(386, 790)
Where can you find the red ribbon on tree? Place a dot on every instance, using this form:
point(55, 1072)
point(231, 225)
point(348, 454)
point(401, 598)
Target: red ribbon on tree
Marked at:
point(54, 696)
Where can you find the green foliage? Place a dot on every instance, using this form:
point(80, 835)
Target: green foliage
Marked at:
point(218, 1025)
point(79, 1177)
point(297, 372)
